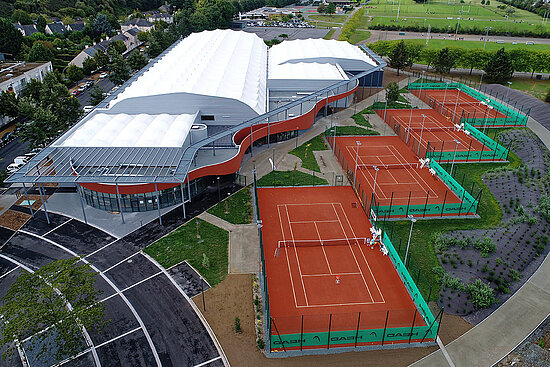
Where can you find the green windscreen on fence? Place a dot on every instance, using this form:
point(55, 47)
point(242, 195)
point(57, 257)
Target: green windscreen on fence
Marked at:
point(513, 118)
point(454, 185)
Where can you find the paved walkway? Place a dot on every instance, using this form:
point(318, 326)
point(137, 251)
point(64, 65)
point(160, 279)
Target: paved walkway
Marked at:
point(500, 333)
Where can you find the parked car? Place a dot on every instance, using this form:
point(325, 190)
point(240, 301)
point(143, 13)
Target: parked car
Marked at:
point(14, 167)
point(75, 92)
point(103, 75)
point(529, 43)
point(21, 159)
point(7, 136)
point(87, 109)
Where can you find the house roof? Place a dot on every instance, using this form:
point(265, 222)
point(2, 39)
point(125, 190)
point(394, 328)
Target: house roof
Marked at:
point(132, 32)
point(27, 29)
point(76, 26)
point(57, 27)
point(138, 22)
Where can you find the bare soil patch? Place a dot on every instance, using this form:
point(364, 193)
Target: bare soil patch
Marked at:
point(13, 220)
point(233, 298)
point(37, 201)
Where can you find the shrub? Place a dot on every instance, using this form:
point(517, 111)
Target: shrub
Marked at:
point(485, 246)
point(514, 275)
point(260, 343)
point(544, 207)
point(238, 325)
point(481, 294)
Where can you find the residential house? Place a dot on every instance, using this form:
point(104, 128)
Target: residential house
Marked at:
point(165, 17)
point(78, 26)
point(26, 29)
point(142, 25)
point(56, 27)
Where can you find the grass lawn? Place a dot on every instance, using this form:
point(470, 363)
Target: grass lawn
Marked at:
point(359, 36)
point(424, 232)
point(329, 18)
point(207, 254)
point(329, 34)
point(305, 152)
point(491, 45)
point(534, 87)
point(351, 130)
point(290, 178)
point(236, 209)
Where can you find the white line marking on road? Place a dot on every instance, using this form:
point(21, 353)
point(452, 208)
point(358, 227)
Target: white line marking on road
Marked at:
point(207, 362)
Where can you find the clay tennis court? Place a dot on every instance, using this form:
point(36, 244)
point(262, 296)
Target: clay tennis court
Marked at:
point(433, 129)
point(323, 275)
point(466, 105)
point(400, 182)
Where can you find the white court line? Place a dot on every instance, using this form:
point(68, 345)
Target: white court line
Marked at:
point(62, 224)
point(322, 247)
point(353, 254)
point(286, 255)
point(101, 248)
point(328, 275)
point(117, 290)
point(342, 304)
point(207, 362)
point(297, 259)
point(3, 275)
point(364, 257)
point(309, 221)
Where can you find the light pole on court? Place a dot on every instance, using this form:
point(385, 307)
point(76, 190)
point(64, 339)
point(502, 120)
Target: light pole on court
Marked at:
point(409, 128)
point(487, 118)
point(376, 169)
point(454, 156)
point(409, 241)
point(456, 104)
point(421, 82)
point(444, 96)
point(356, 163)
point(508, 90)
point(486, 36)
point(421, 131)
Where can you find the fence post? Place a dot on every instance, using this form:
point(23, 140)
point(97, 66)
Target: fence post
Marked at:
point(432, 323)
point(385, 326)
point(429, 296)
point(426, 205)
point(444, 201)
point(482, 149)
point(408, 203)
point(357, 330)
point(439, 324)
point(442, 145)
point(302, 332)
point(329, 325)
point(412, 327)
point(391, 203)
point(277, 330)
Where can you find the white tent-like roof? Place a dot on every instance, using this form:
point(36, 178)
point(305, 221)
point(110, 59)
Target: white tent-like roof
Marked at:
point(124, 130)
point(320, 50)
point(307, 71)
point(219, 63)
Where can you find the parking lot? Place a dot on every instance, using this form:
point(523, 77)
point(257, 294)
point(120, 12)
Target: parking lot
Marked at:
point(268, 33)
point(152, 319)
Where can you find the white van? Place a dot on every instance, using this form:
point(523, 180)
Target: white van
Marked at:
point(14, 167)
point(20, 160)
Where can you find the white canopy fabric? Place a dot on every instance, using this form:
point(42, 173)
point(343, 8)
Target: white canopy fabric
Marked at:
point(309, 71)
point(220, 63)
point(309, 49)
point(124, 130)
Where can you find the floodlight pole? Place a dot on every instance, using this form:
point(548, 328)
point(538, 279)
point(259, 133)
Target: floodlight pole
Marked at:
point(376, 169)
point(456, 105)
point(508, 90)
point(421, 82)
point(486, 36)
point(444, 97)
point(409, 128)
point(29, 202)
point(486, 118)
point(356, 163)
point(454, 156)
point(481, 80)
point(421, 132)
point(409, 241)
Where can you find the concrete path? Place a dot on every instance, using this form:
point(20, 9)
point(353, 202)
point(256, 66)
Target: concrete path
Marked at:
point(243, 248)
point(500, 333)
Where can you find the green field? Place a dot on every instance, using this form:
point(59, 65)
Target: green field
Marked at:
point(329, 18)
point(490, 46)
point(474, 16)
point(359, 36)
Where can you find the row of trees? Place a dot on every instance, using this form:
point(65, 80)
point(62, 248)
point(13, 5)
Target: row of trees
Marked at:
point(404, 54)
point(351, 25)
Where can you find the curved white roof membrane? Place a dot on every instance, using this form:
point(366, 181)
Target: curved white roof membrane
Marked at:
point(303, 70)
point(124, 130)
point(220, 63)
point(308, 49)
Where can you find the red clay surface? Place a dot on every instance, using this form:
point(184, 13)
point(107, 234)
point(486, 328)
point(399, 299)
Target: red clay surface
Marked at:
point(388, 150)
point(302, 280)
point(401, 120)
point(465, 102)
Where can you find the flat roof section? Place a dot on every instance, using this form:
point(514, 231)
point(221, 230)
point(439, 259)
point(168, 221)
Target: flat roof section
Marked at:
point(124, 130)
point(303, 70)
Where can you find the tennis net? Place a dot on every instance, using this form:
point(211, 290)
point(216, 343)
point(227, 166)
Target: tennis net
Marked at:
point(433, 128)
point(388, 166)
point(320, 242)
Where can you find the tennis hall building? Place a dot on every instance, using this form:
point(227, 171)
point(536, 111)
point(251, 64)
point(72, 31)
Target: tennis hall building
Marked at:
point(194, 112)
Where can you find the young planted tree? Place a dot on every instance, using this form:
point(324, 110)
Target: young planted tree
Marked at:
point(499, 68)
point(74, 73)
point(119, 71)
point(399, 56)
point(89, 65)
point(97, 95)
point(53, 306)
point(392, 93)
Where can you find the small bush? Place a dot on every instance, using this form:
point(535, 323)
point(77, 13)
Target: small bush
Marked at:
point(481, 294)
point(238, 325)
point(260, 343)
point(485, 246)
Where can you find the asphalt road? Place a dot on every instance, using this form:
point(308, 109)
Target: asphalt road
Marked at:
point(10, 151)
point(84, 97)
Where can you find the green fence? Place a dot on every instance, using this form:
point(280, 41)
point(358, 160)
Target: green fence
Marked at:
point(461, 192)
point(513, 117)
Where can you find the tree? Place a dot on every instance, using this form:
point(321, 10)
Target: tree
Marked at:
point(144, 36)
point(414, 51)
point(474, 58)
point(399, 56)
point(444, 61)
point(97, 95)
point(101, 59)
point(429, 55)
point(392, 93)
point(212, 14)
point(136, 61)
point(41, 23)
point(330, 9)
point(101, 25)
point(10, 38)
point(21, 16)
point(119, 70)
point(74, 73)
point(116, 46)
point(499, 68)
point(521, 59)
point(37, 305)
point(39, 52)
point(89, 65)
point(8, 104)
point(539, 61)
point(322, 8)
point(154, 50)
